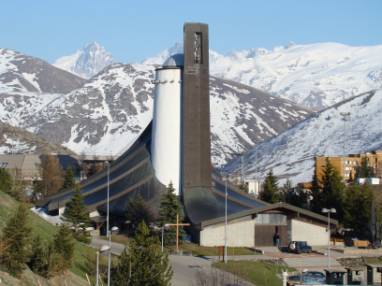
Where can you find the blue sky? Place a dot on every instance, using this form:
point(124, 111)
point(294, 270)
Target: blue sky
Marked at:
point(134, 30)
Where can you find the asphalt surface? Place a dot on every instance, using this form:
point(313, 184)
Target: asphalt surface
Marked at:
point(188, 270)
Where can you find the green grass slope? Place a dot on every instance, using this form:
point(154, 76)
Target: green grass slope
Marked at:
point(46, 232)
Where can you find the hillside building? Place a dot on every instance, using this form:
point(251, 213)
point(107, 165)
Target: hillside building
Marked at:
point(257, 227)
point(347, 165)
point(24, 167)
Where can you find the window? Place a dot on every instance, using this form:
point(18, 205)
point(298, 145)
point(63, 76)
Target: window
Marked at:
point(198, 57)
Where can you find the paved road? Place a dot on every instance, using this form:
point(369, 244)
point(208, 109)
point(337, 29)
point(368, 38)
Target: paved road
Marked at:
point(116, 248)
point(188, 270)
point(195, 271)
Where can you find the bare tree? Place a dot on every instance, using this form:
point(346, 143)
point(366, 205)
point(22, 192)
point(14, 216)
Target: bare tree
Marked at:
point(52, 175)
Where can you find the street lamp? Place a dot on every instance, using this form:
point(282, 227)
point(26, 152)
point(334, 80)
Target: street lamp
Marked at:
point(163, 227)
point(103, 248)
point(329, 211)
point(108, 223)
point(225, 217)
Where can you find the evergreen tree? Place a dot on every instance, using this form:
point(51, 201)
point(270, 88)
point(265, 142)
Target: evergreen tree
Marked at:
point(6, 182)
point(296, 196)
point(332, 189)
point(38, 190)
point(357, 210)
point(169, 208)
point(316, 204)
point(286, 191)
point(142, 262)
point(77, 215)
point(364, 170)
point(69, 182)
point(270, 189)
point(38, 259)
point(15, 238)
point(61, 254)
point(137, 211)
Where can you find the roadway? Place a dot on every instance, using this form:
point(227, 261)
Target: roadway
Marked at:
point(188, 270)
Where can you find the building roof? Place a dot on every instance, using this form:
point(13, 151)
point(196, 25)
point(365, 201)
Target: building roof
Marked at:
point(176, 60)
point(276, 206)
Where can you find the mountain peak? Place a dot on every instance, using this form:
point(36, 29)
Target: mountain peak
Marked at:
point(86, 62)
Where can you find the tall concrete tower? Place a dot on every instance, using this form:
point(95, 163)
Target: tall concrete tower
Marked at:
point(196, 109)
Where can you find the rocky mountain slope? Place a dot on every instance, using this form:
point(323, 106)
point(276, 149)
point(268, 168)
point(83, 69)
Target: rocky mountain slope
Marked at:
point(25, 74)
point(108, 113)
point(87, 61)
point(315, 75)
point(27, 84)
point(352, 126)
point(17, 140)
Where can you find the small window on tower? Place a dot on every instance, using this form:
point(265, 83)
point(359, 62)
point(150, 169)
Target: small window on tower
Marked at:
point(198, 57)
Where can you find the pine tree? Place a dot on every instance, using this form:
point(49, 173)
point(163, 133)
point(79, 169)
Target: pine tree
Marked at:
point(15, 238)
point(63, 249)
point(6, 182)
point(294, 195)
point(69, 182)
point(364, 170)
point(77, 215)
point(332, 189)
point(316, 204)
point(170, 207)
point(137, 211)
point(358, 198)
point(270, 189)
point(142, 262)
point(38, 259)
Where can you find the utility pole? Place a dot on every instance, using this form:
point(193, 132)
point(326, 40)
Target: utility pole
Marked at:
point(225, 218)
point(329, 211)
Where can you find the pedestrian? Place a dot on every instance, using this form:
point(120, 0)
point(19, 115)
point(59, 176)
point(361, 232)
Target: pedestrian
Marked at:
point(277, 240)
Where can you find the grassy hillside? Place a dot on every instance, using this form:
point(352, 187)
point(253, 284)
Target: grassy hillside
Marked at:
point(46, 232)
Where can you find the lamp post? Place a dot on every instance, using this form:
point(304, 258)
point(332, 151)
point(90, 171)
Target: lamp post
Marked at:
point(162, 230)
point(103, 248)
point(97, 270)
point(108, 224)
point(329, 211)
point(225, 219)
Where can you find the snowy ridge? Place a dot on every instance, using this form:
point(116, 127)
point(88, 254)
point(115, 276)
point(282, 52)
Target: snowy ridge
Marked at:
point(108, 113)
point(86, 62)
point(291, 154)
point(315, 75)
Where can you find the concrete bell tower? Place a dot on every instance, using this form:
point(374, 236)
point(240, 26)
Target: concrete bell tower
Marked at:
point(196, 143)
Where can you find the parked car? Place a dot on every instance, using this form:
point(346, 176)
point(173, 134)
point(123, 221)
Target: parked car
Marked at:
point(299, 247)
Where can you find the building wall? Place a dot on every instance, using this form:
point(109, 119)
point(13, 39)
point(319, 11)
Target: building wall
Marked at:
point(312, 233)
point(165, 144)
point(240, 233)
point(20, 166)
point(347, 165)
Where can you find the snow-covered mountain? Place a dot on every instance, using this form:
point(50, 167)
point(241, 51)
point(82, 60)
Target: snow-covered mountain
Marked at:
point(17, 140)
point(315, 75)
point(109, 112)
point(330, 132)
point(25, 74)
point(28, 83)
point(87, 61)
